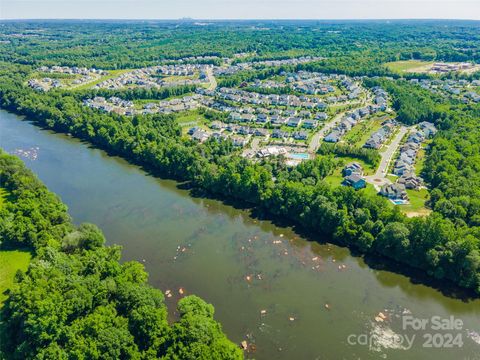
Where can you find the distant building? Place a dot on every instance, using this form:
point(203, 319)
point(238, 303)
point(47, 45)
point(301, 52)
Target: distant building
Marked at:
point(200, 135)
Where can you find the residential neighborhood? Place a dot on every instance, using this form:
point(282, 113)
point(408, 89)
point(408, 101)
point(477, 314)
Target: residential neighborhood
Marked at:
point(309, 107)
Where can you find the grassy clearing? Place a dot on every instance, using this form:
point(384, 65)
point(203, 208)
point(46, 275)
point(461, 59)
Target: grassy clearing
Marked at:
point(417, 201)
point(10, 263)
point(392, 178)
point(111, 74)
point(139, 103)
point(189, 119)
point(367, 169)
point(420, 160)
point(191, 116)
point(335, 179)
point(409, 66)
point(174, 78)
point(360, 133)
point(370, 190)
point(59, 76)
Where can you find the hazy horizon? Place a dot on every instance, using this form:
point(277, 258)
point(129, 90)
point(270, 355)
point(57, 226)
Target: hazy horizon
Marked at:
point(240, 10)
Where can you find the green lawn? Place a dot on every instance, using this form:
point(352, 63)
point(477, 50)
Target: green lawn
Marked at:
point(392, 178)
point(111, 74)
point(10, 263)
point(361, 132)
point(420, 160)
point(408, 65)
point(189, 119)
point(335, 179)
point(178, 77)
point(139, 103)
point(370, 190)
point(190, 116)
point(367, 169)
point(417, 202)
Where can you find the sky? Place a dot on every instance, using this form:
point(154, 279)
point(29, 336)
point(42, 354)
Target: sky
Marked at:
point(240, 9)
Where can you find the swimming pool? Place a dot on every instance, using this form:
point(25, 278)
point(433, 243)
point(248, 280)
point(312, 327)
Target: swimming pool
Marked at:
point(299, 156)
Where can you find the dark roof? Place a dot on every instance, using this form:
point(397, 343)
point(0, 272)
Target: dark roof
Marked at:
point(354, 178)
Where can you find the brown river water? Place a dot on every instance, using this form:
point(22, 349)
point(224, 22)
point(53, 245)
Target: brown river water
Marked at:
point(286, 296)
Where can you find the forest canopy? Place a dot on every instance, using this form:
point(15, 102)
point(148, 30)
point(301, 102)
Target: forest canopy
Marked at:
point(77, 300)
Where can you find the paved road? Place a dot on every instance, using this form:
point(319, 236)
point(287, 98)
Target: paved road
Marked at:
point(380, 177)
point(211, 78)
point(319, 135)
point(388, 154)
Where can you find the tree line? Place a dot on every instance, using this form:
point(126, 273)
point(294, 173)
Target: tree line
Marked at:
point(77, 301)
point(437, 245)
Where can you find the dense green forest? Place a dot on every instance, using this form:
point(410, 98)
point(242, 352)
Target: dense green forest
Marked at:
point(77, 300)
point(111, 300)
point(445, 244)
point(108, 45)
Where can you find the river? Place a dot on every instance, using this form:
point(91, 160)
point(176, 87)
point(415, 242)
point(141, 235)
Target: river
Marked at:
point(290, 297)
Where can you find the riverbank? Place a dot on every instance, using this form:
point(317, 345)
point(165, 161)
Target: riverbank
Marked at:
point(153, 220)
point(113, 309)
point(195, 179)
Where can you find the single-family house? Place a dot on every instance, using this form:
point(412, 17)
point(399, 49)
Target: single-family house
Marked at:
point(262, 118)
point(260, 132)
point(294, 121)
point(279, 134)
point(277, 121)
point(395, 191)
point(300, 135)
point(333, 137)
point(247, 117)
point(244, 130)
point(200, 135)
point(310, 124)
point(352, 168)
point(355, 181)
point(321, 116)
point(235, 116)
point(239, 141)
point(216, 125)
point(410, 181)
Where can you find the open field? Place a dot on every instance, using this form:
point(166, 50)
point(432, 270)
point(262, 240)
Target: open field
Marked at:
point(10, 263)
point(418, 66)
point(409, 66)
point(111, 74)
point(190, 116)
point(189, 119)
point(417, 202)
point(336, 179)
